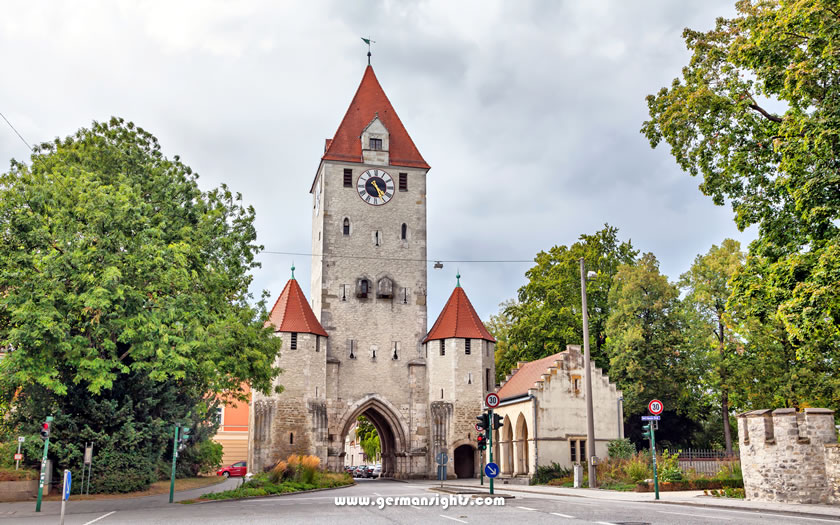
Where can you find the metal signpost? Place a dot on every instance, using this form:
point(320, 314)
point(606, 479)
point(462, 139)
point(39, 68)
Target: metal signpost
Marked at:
point(19, 456)
point(45, 433)
point(655, 407)
point(89, 464)
point(174, 459)
point(442, 459)
point(65, 494)
point(492, 401)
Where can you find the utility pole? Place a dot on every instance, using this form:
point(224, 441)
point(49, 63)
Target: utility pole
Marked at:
point(590, 422)
point(174, 460)
point(46, 426)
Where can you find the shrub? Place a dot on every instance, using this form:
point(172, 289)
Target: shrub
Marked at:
point(10, 474)
point(621, 449)
point(546, 473)
point(730, 470)
point(279, 472)
point(669, 468)
point(638, 468)
point(303, 468)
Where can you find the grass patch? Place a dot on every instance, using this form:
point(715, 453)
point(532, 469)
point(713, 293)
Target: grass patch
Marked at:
point(617, 485)
point(262, 485)
point(10, 474)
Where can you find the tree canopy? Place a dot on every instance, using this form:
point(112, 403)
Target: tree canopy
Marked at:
point(113, 261)
point(757, 115)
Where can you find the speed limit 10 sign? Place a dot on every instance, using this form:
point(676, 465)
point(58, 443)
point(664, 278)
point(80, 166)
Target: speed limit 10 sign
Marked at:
point(655, 407)
point(492, 400)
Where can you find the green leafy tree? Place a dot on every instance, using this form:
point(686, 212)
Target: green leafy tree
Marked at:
point(707, 290)
point(756, 114)
point(368, 438)
point(117, 271)
point(547, 315)
point(499, 327)
point(648, 355)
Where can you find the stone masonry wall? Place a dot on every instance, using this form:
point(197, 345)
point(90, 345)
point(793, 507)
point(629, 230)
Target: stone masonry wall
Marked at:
point(783, 454)
point(832, 472)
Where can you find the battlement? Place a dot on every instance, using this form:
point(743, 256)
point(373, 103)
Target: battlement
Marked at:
point(784, 454)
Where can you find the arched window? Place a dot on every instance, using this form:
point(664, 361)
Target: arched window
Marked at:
point(364, 286)
point(403, 231)
point(346, 226)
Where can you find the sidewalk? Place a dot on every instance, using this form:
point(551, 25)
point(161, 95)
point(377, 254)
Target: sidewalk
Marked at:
point(27, 508)
point(689, 497)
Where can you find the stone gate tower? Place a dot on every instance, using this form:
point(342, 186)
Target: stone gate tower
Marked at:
point(368, 287)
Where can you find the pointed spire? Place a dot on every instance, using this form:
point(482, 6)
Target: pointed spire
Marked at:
point(292, 313)
point(293, 270)
point(458, 279)
point(369, 102)
point(459, 319)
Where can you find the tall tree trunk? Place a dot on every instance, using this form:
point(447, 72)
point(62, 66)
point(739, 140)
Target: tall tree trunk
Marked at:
point(724, 390)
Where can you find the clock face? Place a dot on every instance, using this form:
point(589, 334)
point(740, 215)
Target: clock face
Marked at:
point(375, 187)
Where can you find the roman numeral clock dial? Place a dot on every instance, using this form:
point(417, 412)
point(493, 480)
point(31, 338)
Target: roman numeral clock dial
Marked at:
point(375, 187)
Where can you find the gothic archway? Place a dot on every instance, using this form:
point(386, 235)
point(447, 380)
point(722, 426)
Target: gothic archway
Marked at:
point(392, 435)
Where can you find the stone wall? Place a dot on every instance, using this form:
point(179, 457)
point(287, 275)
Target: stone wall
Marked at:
point(832, 472)
point(783, 454)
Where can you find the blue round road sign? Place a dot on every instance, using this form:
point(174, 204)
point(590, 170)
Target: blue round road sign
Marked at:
point(491, 470)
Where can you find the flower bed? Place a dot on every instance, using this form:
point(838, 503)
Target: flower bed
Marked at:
point(697, 484)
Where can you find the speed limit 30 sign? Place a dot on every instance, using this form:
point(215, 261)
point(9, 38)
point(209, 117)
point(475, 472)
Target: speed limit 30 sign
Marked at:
point(492, 400)
point(655, 407)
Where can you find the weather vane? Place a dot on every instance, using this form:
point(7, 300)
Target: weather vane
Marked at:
point(368, 41)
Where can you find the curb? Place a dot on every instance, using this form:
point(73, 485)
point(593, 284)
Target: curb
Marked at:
point(201, 502)
point(751, 508)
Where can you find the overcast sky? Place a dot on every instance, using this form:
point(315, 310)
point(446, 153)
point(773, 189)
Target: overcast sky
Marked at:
point(528, 113)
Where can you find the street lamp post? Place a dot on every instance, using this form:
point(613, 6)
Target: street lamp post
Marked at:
point(590, 421)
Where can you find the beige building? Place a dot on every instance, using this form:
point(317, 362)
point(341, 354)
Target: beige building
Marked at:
point(361, 347)
point(543, 410)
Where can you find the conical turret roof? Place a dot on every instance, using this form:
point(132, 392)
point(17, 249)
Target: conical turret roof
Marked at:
point(458, 319)
point(291, 312)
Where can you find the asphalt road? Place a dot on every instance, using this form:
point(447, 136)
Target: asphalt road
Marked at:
point(321, 508)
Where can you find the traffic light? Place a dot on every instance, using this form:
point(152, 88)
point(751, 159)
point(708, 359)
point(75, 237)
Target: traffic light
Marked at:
point(45, 430)
point(497, 421)
point(481, 441)
point(647, 431)
point(483, 422)
point(183, 437)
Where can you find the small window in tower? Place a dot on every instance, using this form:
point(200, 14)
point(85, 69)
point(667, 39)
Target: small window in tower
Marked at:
point(342, 292)
point(469, 378)
point(467, 350)
point(294, 341)
point(348, 178)
point(362, 288)
point(396, 350)
point(346, 226)
point(403, 181)
point(404, 296)
point(317, 345)
point(375, 144)
point(403, 231)
point(291, 438)
point(442, 347)
point(373, 353)
point(441, 393)
point(352, 345)
point(487, 379)
point(377, 238)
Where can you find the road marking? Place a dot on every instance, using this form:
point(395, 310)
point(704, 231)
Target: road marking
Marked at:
point(453, 519)
point(694, 515)
point(605, 523)
point(762, 514)
point(100, 517)
point(377, 494)
point(525, 508)
point(561, 515)
point(416, 507)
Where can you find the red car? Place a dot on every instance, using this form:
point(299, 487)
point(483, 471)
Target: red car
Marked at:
point(240, 468)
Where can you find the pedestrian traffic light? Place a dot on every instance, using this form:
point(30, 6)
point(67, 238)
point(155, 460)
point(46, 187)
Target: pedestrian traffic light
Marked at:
point(45, 429)
point(481, 441)
point(483, 422)
point(183, 437)
point(497, 421)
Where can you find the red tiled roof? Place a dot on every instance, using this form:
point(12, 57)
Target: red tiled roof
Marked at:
point(524, 378)
point(458, 319)
point(368, 102)
point(291, 312)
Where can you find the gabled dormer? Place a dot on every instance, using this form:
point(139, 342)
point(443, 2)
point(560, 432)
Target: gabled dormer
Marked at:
point(375, 143)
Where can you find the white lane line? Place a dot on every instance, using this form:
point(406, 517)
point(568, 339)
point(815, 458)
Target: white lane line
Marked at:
point(525, 508)
point(764, 514)
point(605, 523)
point(695, 515)
point(377, 494)
point(451, 518)
point(561, 515)
point(416, 507)
point(100, 517)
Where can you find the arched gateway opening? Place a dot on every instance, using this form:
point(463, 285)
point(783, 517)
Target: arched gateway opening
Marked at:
point(389, 428)
point(465, 461)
